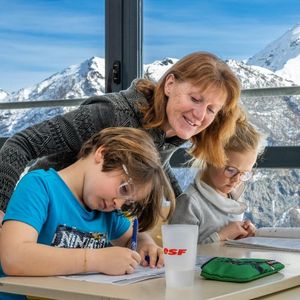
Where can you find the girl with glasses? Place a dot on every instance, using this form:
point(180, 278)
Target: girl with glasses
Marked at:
point(59, 223)
point(213, 201)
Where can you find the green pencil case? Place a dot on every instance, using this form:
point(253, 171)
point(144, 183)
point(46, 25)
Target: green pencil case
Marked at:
point(239, 269)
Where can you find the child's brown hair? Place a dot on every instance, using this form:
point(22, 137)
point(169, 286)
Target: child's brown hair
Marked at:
point(135, 149)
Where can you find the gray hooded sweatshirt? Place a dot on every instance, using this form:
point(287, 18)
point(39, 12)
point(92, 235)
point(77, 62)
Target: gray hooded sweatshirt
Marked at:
point(201, 205)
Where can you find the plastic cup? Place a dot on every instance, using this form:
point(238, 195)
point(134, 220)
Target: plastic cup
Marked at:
point(180, 253)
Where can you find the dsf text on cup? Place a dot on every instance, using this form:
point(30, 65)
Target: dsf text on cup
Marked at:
point(174, 251)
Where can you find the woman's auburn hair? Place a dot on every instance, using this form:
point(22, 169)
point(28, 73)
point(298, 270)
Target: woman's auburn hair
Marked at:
point(135, 149)
point(207, 71)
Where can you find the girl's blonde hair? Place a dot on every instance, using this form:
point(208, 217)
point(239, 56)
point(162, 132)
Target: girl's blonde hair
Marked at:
point(135, 149)
point(206, 71)
point(246, 137)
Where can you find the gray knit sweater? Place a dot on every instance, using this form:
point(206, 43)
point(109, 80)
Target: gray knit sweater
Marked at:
point(56, 142)
point(201, 205)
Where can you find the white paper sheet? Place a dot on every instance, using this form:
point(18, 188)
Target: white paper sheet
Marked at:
point(140, 274)
point(279, 232)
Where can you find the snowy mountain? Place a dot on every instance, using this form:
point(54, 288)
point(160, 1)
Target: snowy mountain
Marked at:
point(155, 70)
point(282, 55)
point(281, 123)
point(3, 95)
point(257, 77)
point(76, 81)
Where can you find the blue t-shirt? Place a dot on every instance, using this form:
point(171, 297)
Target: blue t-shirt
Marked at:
point(43, 201)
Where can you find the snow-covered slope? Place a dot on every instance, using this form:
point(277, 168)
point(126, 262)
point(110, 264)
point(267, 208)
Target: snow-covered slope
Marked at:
point(155, 70)
point(277, 117)
point(282, 55)
point(3, 95)
point(257, 77)
point(76, 81)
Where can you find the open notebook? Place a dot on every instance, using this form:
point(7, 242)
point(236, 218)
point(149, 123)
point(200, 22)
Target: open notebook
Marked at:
point(272, 238)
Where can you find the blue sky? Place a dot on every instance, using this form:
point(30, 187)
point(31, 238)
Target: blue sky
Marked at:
point(42, 37)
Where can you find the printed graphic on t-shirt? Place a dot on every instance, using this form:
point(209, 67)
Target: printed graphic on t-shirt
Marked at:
point(70, 237)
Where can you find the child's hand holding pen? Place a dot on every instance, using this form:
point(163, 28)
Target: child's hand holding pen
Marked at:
point(112, 260)
point(151, 254)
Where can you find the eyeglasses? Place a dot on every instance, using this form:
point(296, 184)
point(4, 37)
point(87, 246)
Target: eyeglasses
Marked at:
point(126, 189)
point(231, 172)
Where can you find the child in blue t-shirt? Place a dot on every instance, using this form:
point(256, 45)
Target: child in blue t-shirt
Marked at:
point(59, 223)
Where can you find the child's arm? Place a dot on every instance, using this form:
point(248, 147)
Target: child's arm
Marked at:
point(21, 255)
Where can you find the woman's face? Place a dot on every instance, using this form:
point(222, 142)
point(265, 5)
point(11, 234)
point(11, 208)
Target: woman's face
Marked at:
point(216, 178)
point(189, 110)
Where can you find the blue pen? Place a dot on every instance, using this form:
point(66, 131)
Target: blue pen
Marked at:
point(147, 259)
point(135, 229)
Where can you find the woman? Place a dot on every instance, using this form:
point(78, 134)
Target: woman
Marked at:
point(196, 100)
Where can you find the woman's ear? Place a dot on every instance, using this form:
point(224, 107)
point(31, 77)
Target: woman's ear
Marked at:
point(99, 154)
point(169, 83)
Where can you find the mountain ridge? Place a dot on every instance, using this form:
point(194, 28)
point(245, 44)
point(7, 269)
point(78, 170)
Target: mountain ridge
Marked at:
point(3, 95)
point(281, 55)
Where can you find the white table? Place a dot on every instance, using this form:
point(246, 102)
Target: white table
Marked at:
point(58, 288)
